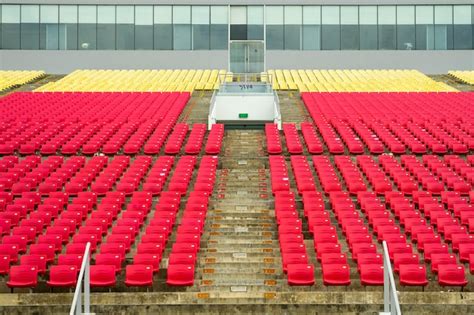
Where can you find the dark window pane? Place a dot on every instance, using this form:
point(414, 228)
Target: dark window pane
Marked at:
point(49, 36)
point(11, 36)
point(143, 37)
point(219, 36)
point(87, 36)
point(331, 38)
point(292, 37)
point(368, 37)
point(311, 37)
point(238, 32)
point(424, 37)
point(275, 37)
point(182, 37)
point(29, 36)
point(387, 37)
point(200, 37)
point(350, 37)
point(255, 32)
point(68, 36)
point(125, 36)
point(163, 36)
point(443, 37)
point(405, 37)
point(106, 36)
point(463, 36)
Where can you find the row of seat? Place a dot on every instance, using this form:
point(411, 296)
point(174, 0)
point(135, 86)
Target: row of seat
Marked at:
point(398, 121)
point(353, 80)
point(137, 80)
point(466, 76)
point(11, 78)
point(88, 123)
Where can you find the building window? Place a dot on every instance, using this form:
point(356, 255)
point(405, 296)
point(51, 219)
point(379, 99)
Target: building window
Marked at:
point(49, 27)
point(424, 27)
point(29, 27)
point(463, 33)
point(200, 19)
point(163, 27)
point(125, 27)
point(311, 27)
point(106, 27)
point(406, 27)
point(331, 28)
point(387, 27)
point(219, 27)
point(87, 27)
point(143, 27)
point(68, 27)
point(182, 27)
point(368, 30)
point(350, 28)
point(10, 26)
point(275, 29)
point(293, 21)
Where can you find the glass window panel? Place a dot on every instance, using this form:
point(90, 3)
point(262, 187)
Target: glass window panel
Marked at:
point(181, 14)
point(125, 27)
point(443, 27)
point(349, 28)
point(163, 14)
point(330, 15)
point(143, 27)
point(293, 15)
point(368, 15)
point(405, 15)
point(163, 28)
point(331, 29)
point(105, 27)
point(311, 28)
point(29, 27)
point(275, 28)
point(443, 14)
point(200, 19)
point(349, 15)
point(386, 15)
point(274, 15)
point(49, 28)
point(311, 15)
point(255, 22)
point(68, 27)
point(10, 26)
point(463, 32)
point(87, 31)
point(311, 37)
point(424, 14)
point(219, 14)
point(87, 27)
point(238, 21)
point(219, 27)
point(181, 27)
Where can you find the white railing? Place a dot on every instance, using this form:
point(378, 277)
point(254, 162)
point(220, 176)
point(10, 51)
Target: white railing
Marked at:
point(84, 273)
point(276, 108)
point(390, 298)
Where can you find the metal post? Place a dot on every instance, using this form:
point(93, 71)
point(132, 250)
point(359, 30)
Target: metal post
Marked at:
point(386, 285)
point(84, 273)
point(87, 288)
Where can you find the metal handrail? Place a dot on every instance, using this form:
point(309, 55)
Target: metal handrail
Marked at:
point(390, 297)
point(84, 273)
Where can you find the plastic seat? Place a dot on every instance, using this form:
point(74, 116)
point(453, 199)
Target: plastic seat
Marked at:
point(63, 276)
point(300, 274)
point(451, 275)
point(109, 259)
point(371, 274)
point(152, 260)
point(413, 275)
point(139, 275)
point(102, 276)
point(180, 275)
point(23, 276)
point(336, 274)
point(39, 261)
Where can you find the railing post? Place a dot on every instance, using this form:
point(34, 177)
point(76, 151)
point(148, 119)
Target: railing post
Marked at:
point(386, 284)
point(87, 289)
point(391, 304)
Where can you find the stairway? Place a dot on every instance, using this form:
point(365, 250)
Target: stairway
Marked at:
point(242, 253)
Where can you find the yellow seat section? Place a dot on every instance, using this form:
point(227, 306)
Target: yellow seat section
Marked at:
point(136, 81)
point(11, 78)
point(463, 76)
point(349, 80)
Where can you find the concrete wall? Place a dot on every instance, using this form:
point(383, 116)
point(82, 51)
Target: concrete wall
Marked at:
point(62, 62)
